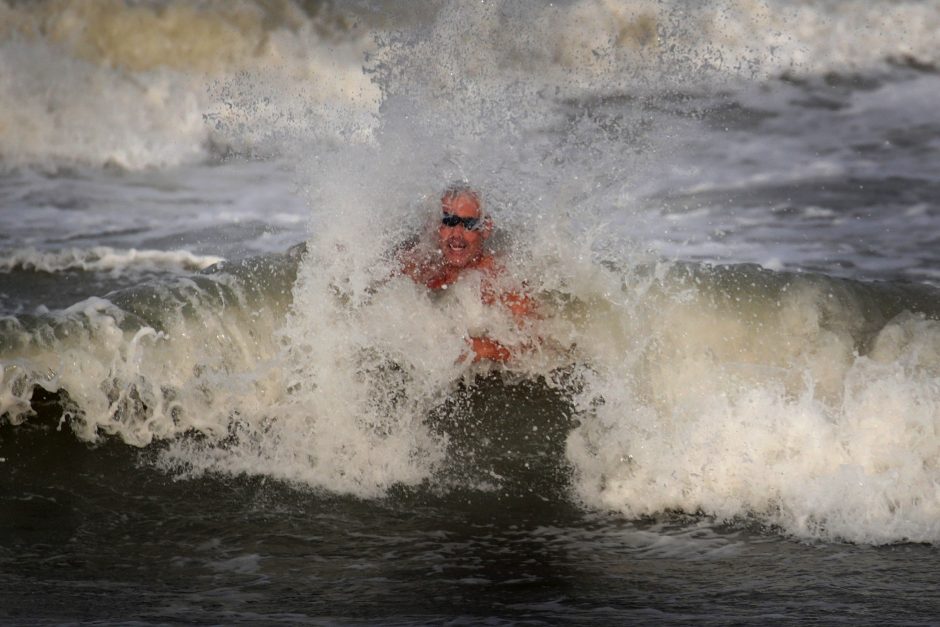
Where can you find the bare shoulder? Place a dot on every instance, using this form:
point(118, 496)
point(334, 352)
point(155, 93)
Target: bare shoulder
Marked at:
point(419, 263)
point(490, 265)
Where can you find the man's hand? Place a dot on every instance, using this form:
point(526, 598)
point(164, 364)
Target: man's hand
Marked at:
point(485, 348)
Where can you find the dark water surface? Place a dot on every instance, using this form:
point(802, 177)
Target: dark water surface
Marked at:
point(94, 533)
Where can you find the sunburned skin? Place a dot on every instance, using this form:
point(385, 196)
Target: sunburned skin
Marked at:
point(460, 246)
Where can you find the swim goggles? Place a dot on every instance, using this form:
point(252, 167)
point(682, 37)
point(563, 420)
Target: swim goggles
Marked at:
point(471, 224)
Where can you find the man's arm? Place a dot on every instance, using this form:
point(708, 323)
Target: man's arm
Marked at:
point(521, 306)
point(486, 348)
point(420, 266)
point(523, 309)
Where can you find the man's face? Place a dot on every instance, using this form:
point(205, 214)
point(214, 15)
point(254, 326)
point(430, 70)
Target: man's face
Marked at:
point(460, 245)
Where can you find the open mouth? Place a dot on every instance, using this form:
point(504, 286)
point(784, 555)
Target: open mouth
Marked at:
point(456, 245)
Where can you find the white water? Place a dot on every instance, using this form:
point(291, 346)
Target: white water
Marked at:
point(106, 259)
point(787, 403)
point(137, 87)
point(761, 406)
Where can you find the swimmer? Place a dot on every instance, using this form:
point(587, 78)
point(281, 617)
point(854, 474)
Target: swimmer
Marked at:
point(461, 244)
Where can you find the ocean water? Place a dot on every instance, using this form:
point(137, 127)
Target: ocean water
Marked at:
point(220, 403)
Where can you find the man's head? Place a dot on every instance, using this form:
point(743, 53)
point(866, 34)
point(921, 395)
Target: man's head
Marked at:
point(463, 228)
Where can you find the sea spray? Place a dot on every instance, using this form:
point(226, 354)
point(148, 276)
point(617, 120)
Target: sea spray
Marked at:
point(157, 360)
point(184, 83)
point(800, 401)
point(774, 400)
point(721, 392)
point(180, 83)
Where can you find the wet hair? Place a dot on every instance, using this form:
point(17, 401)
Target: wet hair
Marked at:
point(461, 188)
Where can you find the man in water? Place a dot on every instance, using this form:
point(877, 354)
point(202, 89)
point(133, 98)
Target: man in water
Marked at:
point(461, 243)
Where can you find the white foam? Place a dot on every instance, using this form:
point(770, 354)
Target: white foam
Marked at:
point(789, 405)
point(191, 368)
point(787, 402)
point(105, 259)
point(138, 86)
point(742, 407)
